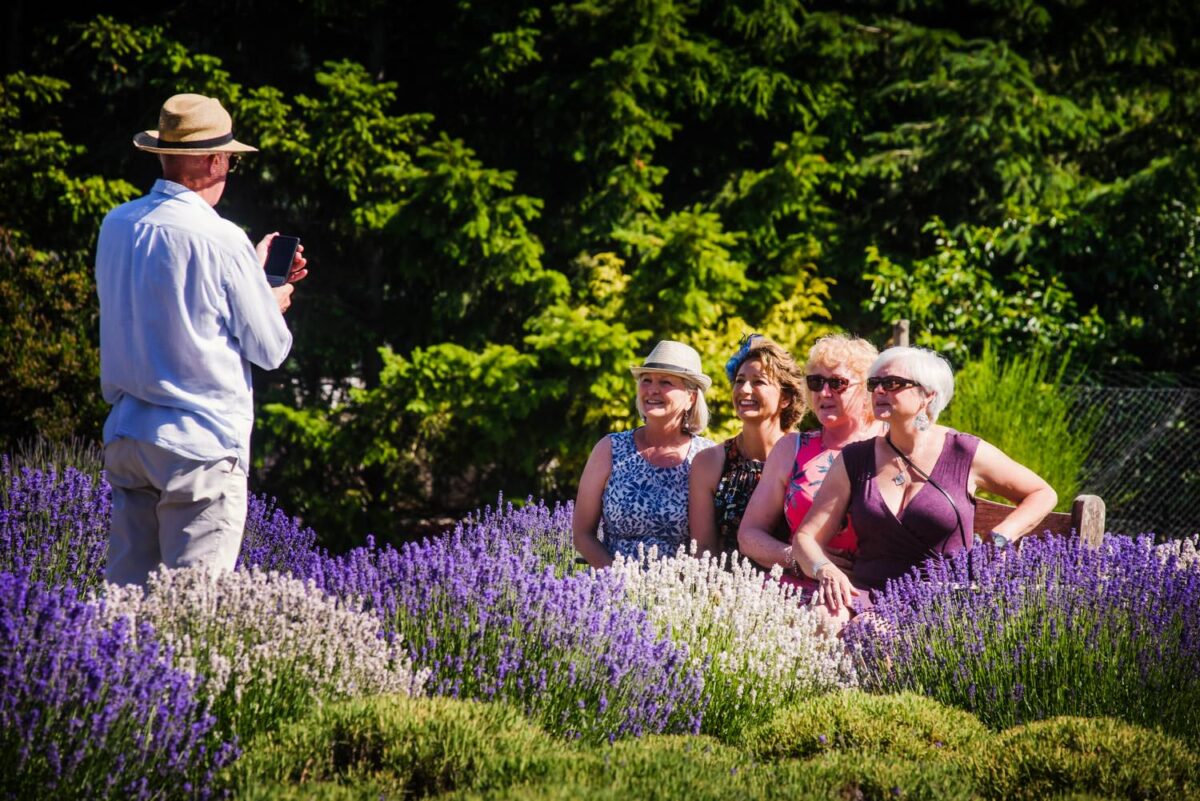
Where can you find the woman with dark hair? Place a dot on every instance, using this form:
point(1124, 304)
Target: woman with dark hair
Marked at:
point(835, 376)
point(636, 481)
point(768, 399)
point(910, 491)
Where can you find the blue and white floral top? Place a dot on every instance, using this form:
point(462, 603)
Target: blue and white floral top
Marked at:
point(643, 504)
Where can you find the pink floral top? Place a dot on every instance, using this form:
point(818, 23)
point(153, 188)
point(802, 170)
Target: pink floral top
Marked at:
point(812, 463)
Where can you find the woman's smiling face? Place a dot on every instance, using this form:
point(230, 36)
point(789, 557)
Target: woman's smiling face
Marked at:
point(663, 396)
point(755, 395)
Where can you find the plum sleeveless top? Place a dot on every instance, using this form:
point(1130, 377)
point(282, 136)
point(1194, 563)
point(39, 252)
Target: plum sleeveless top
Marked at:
point(890, 546)
point(643, 504)
point(809, 469)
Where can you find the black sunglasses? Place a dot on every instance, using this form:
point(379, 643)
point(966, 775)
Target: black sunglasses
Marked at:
point(836, 384)
point(890, 383)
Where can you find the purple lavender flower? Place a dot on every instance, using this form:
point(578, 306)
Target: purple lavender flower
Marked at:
point(94, 711)
point(485, 609)
point(274, 541)
point(55, 525)
point(1056, 629)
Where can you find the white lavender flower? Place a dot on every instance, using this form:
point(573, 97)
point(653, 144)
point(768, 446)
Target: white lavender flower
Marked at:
point(266, 645)
point(1185, 551)
point(760, 646)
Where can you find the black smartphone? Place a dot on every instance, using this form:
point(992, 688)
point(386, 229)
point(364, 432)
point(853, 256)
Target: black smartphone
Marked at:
point(280, 254)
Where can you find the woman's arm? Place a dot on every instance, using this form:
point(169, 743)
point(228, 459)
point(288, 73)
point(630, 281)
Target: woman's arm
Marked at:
point(764, 512)
point(994, 471)
point(585, 520)
point(703, 478)
point(822, 522)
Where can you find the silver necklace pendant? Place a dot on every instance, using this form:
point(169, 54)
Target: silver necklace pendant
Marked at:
point(898, 479)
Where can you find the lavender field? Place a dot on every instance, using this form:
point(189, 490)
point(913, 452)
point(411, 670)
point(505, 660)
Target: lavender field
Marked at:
point(483, 663)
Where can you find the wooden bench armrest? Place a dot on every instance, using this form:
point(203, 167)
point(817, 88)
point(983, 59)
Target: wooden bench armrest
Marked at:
point(1086, 518)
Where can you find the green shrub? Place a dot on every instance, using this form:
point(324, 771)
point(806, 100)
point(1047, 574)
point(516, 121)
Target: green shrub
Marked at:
point(1020, 406)
point(385, 745)
point(701, 769)
point(906, 726)
point(654, 768)
point(665, 767)
point(871, 777)
point(364, 790)
point(1089, 755)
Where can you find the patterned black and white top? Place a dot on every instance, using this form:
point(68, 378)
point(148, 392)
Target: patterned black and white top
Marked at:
point(643, 504)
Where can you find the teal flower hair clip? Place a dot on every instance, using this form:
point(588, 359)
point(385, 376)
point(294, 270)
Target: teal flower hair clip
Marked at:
point(735, 361)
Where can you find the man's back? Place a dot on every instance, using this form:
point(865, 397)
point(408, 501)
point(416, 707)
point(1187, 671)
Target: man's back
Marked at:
point(184, 310)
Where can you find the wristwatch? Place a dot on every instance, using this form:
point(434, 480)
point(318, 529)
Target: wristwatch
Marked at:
point(999, 540)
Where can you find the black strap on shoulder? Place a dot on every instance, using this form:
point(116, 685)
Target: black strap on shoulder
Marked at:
point(929, 480)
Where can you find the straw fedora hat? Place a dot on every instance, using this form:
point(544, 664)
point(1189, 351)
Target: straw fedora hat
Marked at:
point(674, 358)
point(193, 125)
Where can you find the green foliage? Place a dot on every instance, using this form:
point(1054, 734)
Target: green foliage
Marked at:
point(906, 725)
point(444, 405)
point(48, 218)
point(955, 305)
point(879, 748)
point(666, 767)
point(568, 182)
point(1025, 408)
point(1100, 755)
point(48, 351)
point(978, 97)
point(1139, 239)
point(411, 747)
point(43, 199)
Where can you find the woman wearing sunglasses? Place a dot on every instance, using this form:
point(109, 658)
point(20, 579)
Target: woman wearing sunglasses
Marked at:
point(768, 397)
point(910, 490)
point(835, 377)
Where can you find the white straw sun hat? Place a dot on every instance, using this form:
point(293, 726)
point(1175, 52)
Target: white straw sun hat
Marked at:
point(674, 358)
point(192, 125)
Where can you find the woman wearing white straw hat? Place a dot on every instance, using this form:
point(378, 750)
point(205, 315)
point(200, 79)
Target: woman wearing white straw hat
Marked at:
point(637, 481)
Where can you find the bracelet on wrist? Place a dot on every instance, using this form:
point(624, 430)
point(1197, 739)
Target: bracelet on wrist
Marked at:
point(816, 568)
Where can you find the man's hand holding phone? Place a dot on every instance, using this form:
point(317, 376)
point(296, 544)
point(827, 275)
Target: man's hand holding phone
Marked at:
point(283, 260)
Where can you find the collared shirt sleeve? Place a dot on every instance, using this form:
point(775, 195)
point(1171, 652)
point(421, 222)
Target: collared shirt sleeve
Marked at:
point(254, 317)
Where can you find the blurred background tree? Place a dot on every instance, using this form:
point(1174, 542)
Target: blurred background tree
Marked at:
point(507, 203)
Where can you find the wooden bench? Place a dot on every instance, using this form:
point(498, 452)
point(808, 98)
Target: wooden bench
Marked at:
point(1086, 519)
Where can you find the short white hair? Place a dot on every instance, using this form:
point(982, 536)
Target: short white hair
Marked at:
point(928, 368)
point(695, 419)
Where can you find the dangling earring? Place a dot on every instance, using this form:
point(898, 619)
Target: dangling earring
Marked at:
point(922, 422)
point(687, 420)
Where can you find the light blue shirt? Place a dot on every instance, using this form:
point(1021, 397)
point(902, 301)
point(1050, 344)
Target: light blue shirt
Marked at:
point(185, 308)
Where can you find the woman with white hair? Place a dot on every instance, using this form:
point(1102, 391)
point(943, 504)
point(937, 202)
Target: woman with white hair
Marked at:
point(637, 481)
point(911, 490)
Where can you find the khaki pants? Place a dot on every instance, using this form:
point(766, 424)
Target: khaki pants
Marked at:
point(171, 510)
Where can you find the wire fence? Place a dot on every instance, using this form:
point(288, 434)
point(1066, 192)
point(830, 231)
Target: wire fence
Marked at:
point(1145, 461)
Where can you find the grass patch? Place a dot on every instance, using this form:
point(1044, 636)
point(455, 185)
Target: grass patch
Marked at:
point(1020, 406)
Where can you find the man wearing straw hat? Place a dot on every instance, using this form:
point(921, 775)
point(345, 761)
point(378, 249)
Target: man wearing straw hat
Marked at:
point(185, 309)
